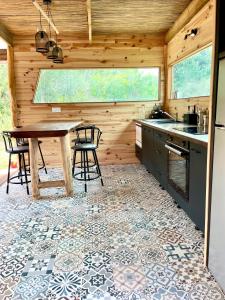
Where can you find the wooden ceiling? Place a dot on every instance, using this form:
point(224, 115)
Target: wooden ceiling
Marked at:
point(20, 17)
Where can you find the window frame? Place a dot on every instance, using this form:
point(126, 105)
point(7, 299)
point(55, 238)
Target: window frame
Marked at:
point(99, 102)
point(170, 73)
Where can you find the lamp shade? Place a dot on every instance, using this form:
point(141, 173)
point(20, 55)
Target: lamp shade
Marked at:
point(41, 40)
point(57, 52)
point(51, 44)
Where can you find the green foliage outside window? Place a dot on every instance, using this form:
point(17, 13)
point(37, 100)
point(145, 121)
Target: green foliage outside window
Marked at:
point(97, 85)
point(5, 114)
point(191, 76)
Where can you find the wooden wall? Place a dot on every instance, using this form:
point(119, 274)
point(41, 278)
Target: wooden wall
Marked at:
point(179, 48)
point(115, 119)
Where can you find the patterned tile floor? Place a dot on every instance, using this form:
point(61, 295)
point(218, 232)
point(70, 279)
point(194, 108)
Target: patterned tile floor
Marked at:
point(124, 241)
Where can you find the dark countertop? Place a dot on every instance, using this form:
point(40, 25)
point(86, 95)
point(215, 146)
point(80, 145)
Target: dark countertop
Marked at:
point(169, 128)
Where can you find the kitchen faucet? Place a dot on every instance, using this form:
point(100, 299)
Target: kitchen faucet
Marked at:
point(171, 117)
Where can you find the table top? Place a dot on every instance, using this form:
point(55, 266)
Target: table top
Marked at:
point(45, 129)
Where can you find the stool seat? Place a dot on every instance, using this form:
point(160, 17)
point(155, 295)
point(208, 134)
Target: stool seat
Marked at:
point(85, 146)
point(27, 143)
point(81, 140)
point(18, 149)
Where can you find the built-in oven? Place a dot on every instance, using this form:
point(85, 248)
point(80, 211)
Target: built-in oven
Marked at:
point(178, 166)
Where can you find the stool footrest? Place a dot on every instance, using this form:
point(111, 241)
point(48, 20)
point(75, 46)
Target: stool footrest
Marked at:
point(88, 178)
point(18, 178)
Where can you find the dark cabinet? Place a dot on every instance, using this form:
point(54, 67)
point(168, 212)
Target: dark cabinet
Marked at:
point(197, 184)
point(154, 154)
point(148, 148)
point(160, 162)
point(155, 157)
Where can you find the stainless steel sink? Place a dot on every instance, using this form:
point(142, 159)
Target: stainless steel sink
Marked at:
point(160, 121)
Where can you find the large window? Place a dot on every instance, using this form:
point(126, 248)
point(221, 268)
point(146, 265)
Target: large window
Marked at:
point(97, 85)
point(191, 76)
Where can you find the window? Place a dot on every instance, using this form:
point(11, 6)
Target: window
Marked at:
point(191, 76)
point(97, 85)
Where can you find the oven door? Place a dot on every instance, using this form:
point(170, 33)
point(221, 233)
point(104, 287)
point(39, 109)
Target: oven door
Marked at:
point(178, 169)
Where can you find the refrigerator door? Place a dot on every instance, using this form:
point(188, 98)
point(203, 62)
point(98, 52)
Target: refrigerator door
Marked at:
point(217, 226)
point(220, 108)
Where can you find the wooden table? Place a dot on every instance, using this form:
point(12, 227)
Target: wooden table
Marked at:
point(47, 129)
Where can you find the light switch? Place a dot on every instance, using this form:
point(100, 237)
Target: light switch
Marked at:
point(56, 109)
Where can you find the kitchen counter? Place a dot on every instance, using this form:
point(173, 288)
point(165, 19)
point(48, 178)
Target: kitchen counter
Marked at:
point(170, 128)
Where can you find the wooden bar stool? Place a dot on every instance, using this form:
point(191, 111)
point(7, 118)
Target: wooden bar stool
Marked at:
point(90, 137)
point(86, 136)
point(20, 151)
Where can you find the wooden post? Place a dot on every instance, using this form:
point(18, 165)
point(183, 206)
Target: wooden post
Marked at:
point(67, 166)
point(33, 148)
point(12, 85)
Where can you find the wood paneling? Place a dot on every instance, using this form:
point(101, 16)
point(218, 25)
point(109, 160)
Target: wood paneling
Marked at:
point(108, 17)
point(115, 119)
point(180, 106)
point(179, 48)
point(193, 8)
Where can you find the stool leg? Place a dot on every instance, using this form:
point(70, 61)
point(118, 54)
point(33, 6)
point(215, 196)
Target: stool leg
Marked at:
point(28, 155)
point(81, 163)
point(85, 178)
point(98, 168)
point(87, 165)
point(8, 177)
point(20, 170)
point(42, 158)
point(25, 173)
point(74, 161)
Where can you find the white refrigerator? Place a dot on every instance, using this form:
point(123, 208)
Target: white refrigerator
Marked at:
point(217, 219)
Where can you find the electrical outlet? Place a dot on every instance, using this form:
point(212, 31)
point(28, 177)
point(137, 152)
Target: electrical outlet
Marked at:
point(56, 109)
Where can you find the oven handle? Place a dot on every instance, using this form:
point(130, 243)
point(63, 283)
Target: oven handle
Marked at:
point(174, 150)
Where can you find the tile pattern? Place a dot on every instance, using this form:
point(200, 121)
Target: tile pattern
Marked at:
point(124, 241)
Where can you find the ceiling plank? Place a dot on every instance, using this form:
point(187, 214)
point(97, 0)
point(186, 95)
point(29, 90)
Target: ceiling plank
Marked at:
point(6, 35)
point(89, 20)
point(193, 8)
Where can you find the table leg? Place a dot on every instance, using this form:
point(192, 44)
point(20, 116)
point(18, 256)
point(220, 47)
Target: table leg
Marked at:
point(33, 148)
point(67, 166)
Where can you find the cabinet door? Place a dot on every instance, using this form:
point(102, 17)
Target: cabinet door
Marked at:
point(160, 162)
point(197, 184)
point(147, 148)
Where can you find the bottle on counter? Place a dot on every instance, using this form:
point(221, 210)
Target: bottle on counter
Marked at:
point(200, 117)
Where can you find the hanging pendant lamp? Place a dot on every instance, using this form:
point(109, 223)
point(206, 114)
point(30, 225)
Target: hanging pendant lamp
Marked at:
point(51, 44)
point(41, 40)
point(45, 44)
point(57, 51)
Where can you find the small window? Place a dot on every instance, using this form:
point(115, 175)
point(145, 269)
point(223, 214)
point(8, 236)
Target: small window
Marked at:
point(98, 85)
point(191, 76)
